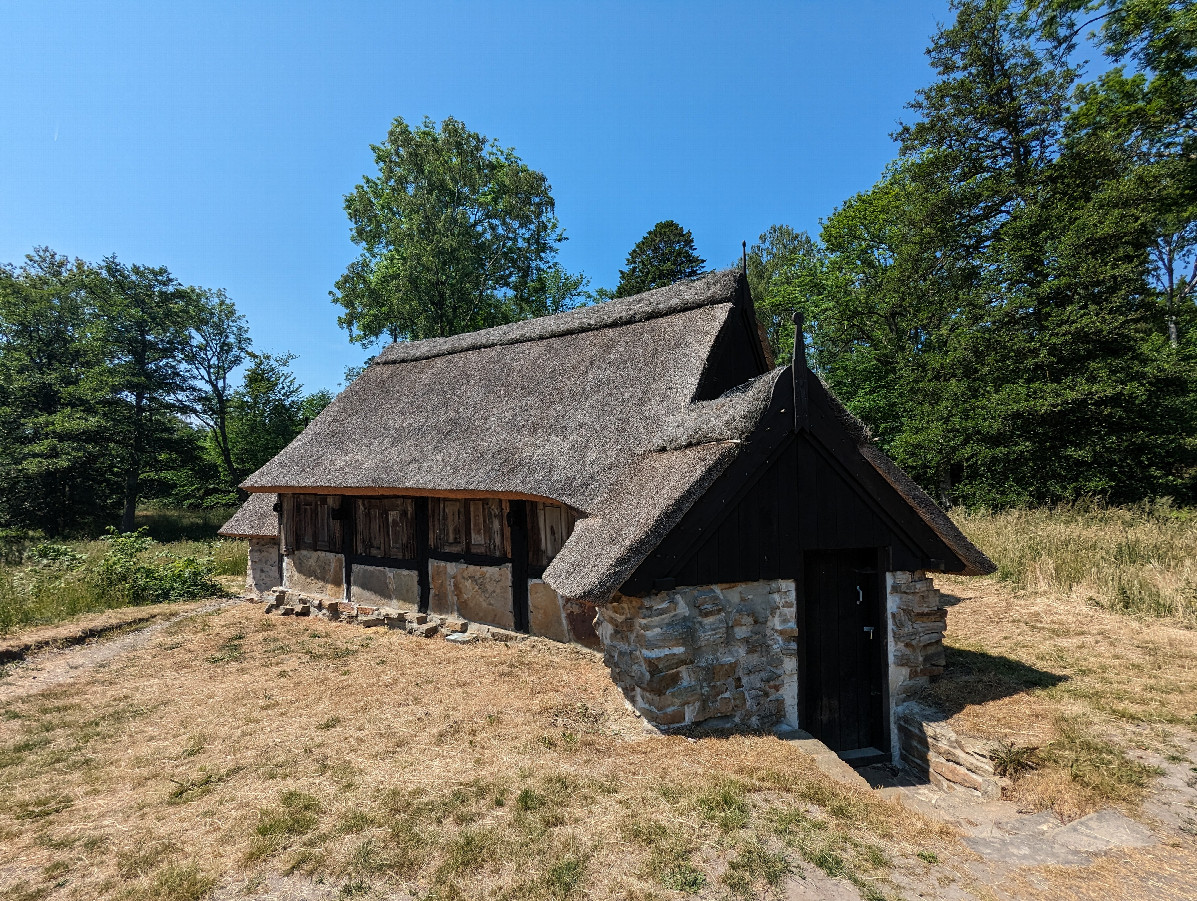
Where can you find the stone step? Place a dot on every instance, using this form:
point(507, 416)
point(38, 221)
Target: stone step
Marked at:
point(828, 762)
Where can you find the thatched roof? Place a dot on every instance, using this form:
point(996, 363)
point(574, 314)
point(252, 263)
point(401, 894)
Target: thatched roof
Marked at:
point(593, 408)
point(557, 407)
point(256, 518)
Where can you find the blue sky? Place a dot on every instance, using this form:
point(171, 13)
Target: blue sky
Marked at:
point(219, 139)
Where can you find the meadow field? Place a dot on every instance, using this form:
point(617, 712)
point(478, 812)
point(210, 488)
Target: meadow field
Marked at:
point(225, 754)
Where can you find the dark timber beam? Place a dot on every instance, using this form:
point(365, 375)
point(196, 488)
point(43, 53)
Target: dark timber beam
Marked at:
point(801, 374)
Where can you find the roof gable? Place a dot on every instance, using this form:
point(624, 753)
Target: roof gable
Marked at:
point(256, 518)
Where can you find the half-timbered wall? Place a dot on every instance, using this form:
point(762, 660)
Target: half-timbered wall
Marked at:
point(447, 556)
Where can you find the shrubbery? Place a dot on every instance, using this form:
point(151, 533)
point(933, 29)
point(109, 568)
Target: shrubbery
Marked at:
point(127, 574)
point(56, 581)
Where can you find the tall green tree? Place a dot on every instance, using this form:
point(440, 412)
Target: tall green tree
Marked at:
point(56, 472)
point(145, 315)
point(457, 234)
point(268, 410)
point(783, 271)
point(663, 256)
point(218, 344)
point(1145, 107)
point(987, 306)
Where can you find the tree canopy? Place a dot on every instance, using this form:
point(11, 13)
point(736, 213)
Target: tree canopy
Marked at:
point(119, 385)
point(457, 234)
point(663, 256)
point(1004, 307)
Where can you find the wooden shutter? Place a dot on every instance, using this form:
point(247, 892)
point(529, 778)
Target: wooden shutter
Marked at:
point(550, 525)
point(368, 539)
point(401, 528)
point(448, 528)
point(477, 527)
point(495, 511)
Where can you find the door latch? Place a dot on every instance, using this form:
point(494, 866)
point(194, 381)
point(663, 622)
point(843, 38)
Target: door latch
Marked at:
point(859, 595)
point(869, 629)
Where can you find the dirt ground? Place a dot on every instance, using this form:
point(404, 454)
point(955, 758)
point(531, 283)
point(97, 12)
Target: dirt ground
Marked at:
point(228, 754)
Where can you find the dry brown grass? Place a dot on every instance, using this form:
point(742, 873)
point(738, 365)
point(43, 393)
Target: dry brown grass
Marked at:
point(1139, 560)
point(235, 749)
point(1085, 686)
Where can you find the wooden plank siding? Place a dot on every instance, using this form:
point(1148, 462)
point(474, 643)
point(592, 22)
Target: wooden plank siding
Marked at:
point(788, 493)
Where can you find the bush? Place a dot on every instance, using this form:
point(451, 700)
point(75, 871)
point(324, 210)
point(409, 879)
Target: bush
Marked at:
point(126, 576)
point(55, 581)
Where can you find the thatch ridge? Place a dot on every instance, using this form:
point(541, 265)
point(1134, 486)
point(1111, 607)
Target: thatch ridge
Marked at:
point(685, 295)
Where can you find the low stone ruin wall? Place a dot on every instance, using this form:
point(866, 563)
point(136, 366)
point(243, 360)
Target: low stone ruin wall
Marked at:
point(933, 750)
point(292, 603)
point(261, 572)
point(722, 655)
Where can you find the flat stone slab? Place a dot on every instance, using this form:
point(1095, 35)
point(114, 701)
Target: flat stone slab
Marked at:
point(1025, 851)
point(1041, 839)
point(1104, 830)
point(828, 762)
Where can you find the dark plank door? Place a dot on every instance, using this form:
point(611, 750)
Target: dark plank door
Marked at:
point(517, 521)
point(845, 650)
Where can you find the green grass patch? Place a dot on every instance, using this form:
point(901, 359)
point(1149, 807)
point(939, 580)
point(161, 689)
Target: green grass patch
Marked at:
point(54, 582)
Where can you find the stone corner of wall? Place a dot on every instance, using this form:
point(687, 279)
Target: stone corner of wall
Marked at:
point(703, 655)
point(930, 747)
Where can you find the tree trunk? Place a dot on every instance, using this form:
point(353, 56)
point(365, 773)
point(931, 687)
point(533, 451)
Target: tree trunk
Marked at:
point(133, 473)
point(129, 517)
point(943, 479)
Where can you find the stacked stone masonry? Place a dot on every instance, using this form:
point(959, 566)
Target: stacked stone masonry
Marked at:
point(917, 620)
point(287, 602)
point(932, 749)
point(261, 572)
point(722, 655)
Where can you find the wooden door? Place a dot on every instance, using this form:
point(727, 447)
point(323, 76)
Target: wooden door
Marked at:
point(517, 522)
point(844, 696)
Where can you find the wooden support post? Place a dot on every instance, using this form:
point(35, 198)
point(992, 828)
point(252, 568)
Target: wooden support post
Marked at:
point(799, 368)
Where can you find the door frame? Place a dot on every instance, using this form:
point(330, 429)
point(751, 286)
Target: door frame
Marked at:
point(881, 659)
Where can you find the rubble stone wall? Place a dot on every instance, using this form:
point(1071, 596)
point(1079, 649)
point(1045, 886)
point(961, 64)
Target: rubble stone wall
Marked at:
point(722, 655)
point(917, 620)
point(261, 572)
point(944, 758)
point(319, 573)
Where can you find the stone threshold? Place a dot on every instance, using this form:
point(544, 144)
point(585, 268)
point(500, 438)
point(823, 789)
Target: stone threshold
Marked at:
point(285, 602)
point(828, 762)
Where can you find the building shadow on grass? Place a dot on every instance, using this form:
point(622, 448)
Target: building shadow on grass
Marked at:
point(976, 677)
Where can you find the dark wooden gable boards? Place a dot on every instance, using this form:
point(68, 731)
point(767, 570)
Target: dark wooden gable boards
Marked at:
point(787, 493)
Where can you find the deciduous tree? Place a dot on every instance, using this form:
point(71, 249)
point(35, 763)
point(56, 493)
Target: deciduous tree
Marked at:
point(457, 234)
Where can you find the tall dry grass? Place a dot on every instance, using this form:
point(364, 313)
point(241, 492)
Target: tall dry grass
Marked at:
point(1137, 560)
